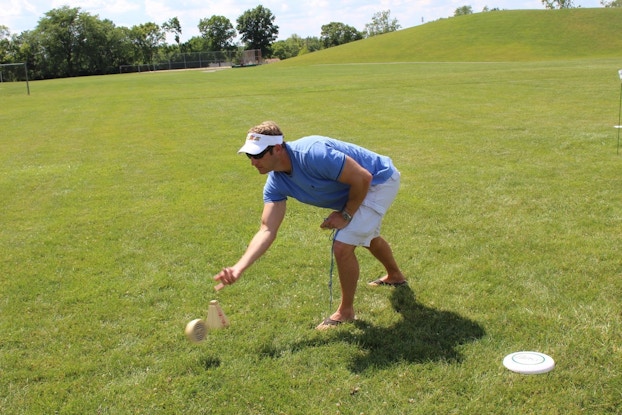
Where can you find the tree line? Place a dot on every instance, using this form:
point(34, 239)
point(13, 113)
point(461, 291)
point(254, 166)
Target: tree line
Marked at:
point(70, 42)
point(569, 4)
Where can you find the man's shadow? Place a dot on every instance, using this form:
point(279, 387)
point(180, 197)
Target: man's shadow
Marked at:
point(422, 335)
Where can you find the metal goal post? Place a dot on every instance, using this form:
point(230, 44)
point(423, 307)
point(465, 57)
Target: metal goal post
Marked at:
point(11, 72)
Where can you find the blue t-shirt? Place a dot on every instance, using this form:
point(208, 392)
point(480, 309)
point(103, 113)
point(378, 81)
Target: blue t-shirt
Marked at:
point(317, 163)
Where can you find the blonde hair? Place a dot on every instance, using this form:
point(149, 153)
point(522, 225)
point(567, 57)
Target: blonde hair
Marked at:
point(266, 128)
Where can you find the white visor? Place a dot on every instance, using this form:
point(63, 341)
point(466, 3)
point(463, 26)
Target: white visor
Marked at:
point(256, 143)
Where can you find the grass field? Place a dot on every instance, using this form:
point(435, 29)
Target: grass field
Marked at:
point(122, 195)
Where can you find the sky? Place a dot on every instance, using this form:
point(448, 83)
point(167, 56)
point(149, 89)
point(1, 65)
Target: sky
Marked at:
point(303, 18)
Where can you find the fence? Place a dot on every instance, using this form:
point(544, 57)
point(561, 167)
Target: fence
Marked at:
point(200, 60)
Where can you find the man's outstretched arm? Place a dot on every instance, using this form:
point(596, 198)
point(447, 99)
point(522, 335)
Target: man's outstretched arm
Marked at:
point(271, 219)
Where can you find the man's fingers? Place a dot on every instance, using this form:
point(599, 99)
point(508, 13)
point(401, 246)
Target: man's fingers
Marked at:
point(324, 224)
point(224, 277)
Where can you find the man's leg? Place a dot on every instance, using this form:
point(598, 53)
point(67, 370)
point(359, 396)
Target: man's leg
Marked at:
point(348, 268)
point(383, 253)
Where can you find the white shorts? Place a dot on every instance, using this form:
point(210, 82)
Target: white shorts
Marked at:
point(366, 221)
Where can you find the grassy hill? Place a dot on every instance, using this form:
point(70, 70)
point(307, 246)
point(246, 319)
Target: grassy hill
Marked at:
point(515, 35)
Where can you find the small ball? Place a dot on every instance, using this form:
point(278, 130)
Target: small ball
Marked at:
point(196, 330)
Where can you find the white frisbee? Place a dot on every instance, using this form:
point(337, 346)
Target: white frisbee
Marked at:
point(529, 363)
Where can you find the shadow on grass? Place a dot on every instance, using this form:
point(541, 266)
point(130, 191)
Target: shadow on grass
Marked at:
point(209, 362)
point(422, 335)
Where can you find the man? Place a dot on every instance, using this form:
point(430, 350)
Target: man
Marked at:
point(359, 185)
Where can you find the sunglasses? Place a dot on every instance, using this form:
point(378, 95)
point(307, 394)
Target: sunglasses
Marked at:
point(260, 155)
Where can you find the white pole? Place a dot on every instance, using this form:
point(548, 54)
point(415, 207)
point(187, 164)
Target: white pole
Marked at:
point(619, 126)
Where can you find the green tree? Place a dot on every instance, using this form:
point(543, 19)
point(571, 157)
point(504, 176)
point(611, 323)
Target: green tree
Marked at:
point(285, 49)
point(463, 11)
point(146, 38)
point(102, 47)
point(59, 38)
point(69, 42)
point(5, 44)
point(615, 3)
point(291, 47)
point(558, 4)
point(312, 44)
point(91, 45)
point(257, 29)
point(173, 26)
point(335, 34)
point(196, 44)
point(381, 22)
point(218, 32)
point(24, 48)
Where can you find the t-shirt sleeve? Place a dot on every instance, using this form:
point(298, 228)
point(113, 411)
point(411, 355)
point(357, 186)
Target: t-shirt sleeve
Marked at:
point(271, 192)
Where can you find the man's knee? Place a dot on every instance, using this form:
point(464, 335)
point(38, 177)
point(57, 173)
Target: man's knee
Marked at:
point(342, 250)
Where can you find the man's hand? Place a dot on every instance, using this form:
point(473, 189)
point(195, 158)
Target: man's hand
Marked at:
point(271, 218)
point(334, 221)
point(227, 276)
